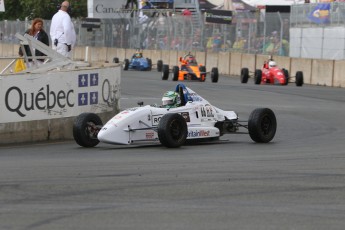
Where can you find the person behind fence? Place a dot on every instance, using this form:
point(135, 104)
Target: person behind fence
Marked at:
point(62, 31)
point(36, 30)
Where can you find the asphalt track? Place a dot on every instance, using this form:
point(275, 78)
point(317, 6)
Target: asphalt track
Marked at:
point(295, 182)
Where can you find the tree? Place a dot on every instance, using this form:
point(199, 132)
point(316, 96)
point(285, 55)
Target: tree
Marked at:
point(20, 9)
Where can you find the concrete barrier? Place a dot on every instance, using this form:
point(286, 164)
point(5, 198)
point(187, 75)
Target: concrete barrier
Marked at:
point(339, 71)
point(236, 64)
point(322, 72)
point(211, 61)
point(249, 61)
point(42, 106)
point(224, 63)
point(304, 65)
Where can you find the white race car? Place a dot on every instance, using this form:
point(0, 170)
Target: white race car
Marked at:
point(195, 120)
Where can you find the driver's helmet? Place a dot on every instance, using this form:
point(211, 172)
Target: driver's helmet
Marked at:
point(272, 64)
point(171, 99)
point(138, 55)
point(191, 59)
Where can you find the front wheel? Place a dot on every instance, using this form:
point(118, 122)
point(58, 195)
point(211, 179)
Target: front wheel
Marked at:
point(244, 75)
point(159, 65)
point(262, 125)
point(299, 78)
point(175, 72)
point(165, 72)
point(257, 76)
point(172, 130)
point(126, 64)
point(214, 75)
point(85, 129)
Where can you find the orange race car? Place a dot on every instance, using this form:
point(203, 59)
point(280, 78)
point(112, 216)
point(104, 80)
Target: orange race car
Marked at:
point(189, 70)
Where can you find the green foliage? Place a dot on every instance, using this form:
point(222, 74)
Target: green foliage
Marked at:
point(20, 9)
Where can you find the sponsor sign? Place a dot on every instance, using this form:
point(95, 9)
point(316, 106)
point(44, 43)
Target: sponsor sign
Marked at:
point(218, 16)
point(26, 97)
point(107, 9)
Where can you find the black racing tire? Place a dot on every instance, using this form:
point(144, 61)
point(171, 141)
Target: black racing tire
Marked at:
point(214, 75)
point(202, 70)
point(84, 131)
point(286, 75)
point(165, 72)
point(159, 65)
point(149, 64)
point(125, 64)
point(244, 75)
point(262, 125)
point(116, 60)
point(172, 130)
point(175, 72)
point(257, 76)
point(299, 78)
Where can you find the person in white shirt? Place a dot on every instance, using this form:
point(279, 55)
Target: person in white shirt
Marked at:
point(62, 31)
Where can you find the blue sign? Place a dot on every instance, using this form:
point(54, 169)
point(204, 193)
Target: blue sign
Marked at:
point(82, 99)
point(320, 14)
point(83, 80)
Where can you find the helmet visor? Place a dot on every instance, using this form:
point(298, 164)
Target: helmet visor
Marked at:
point(167, 101)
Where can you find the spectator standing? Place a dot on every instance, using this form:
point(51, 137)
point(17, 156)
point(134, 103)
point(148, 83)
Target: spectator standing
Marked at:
point(36, 30)
point(62, 31)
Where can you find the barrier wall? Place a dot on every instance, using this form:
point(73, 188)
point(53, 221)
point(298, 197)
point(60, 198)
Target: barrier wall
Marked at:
point(38, 107)
point(315, 71)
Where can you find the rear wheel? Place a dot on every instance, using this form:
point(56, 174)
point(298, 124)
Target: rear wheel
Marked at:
point(299, 78)
point(159, 65)
point(149, 64)
point(175, 71)
point(262, 125)
point(257, 76)
point(172, 130)
point(214, 75)
point(165, 72)
point(126, 64)
point(85, 129)
point(116, 60)
point(286, 75)
point(244, 75)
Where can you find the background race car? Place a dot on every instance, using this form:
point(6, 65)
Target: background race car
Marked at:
point(138, 62)
point(271, 74)
point(189, 70)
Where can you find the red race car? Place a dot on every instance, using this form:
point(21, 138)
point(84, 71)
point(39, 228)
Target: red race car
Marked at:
point(189, 70)
point(271, 74)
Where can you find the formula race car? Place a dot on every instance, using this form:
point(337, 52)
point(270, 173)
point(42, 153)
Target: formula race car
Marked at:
point(138, 62)
point(194, 120)
point(271, 74)
point(189, 70)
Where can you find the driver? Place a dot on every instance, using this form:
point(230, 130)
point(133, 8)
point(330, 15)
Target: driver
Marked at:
point(272, 64)
point(191, 59)
point(171, 99)
point(138, 55)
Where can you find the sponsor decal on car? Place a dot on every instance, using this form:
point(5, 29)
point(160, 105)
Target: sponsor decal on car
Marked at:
point(199, 133)
point(150, 135)
point(156, 119)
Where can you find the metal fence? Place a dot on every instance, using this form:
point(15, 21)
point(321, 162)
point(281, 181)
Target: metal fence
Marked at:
point(249, 32)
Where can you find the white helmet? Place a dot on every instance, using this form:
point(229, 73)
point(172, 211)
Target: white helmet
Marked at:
point(272, 64)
